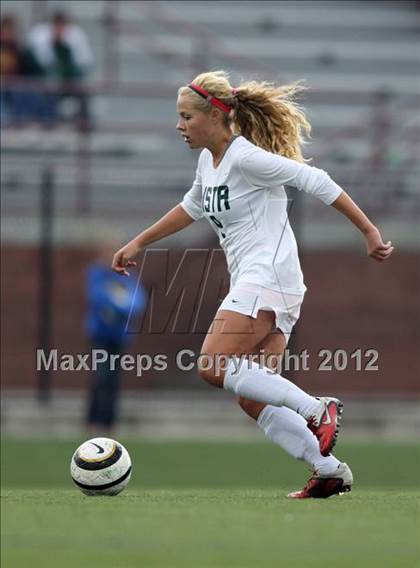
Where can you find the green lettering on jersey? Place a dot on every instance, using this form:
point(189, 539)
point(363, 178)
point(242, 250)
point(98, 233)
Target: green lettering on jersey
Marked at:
point(216, 198)
point(222, 196)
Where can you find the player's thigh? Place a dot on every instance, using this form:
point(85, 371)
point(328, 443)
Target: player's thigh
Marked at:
point(271, 349)
point(235, 333)
point(231, 333)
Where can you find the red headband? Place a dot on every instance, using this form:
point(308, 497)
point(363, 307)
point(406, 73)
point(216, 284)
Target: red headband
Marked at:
point(212, 100)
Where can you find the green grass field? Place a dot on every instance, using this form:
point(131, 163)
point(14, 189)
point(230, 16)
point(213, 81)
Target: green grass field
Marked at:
point(202, 505)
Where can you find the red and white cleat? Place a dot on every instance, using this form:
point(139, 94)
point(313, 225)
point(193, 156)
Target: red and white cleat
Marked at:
point(321, 487)
point(325, 423)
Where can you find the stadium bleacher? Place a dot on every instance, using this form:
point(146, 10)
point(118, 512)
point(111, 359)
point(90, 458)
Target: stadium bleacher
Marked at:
point(360, 60)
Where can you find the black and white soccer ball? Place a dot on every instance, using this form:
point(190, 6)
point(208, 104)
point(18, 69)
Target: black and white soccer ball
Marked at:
point(101, 466)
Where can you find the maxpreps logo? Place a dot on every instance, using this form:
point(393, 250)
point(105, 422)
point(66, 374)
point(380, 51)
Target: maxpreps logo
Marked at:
point(182, 294)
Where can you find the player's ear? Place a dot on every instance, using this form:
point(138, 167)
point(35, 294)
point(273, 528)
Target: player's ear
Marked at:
point(215, 115)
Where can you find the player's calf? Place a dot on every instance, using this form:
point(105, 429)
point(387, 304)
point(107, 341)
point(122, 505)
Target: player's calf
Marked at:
point(250, 407)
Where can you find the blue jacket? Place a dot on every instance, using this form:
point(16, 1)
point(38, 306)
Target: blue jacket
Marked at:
point(111, 300)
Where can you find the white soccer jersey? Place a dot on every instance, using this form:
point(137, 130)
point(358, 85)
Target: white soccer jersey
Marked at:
point(245, 202)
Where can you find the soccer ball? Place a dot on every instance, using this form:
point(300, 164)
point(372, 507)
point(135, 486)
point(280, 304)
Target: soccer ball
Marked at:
point(101, 466)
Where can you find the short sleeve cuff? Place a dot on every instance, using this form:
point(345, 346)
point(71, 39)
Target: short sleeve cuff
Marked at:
point(191, 208)
point(332, 195)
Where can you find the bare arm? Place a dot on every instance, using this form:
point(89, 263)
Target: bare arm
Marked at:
point(175, 220)
point(376, 248)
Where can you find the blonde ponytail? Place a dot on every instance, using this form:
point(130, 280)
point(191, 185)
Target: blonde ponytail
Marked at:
point(265, 114)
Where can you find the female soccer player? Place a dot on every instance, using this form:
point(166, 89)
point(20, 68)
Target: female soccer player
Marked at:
point(251, 138)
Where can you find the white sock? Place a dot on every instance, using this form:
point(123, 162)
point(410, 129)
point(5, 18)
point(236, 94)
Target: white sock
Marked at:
point(245, 378)
point(289, 431)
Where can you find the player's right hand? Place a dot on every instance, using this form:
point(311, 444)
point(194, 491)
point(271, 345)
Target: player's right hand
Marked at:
point(123, 258)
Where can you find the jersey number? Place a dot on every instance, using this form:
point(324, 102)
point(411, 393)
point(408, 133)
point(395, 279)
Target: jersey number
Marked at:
point(218, 224)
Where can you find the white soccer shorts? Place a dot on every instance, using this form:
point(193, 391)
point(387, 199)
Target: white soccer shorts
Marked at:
point(248, 299)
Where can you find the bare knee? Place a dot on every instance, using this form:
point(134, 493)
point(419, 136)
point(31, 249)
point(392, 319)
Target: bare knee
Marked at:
point(251, 407)
point(209, 371)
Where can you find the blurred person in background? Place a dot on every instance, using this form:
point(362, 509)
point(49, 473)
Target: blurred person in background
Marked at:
point(251, 139)
point(110, 303)
point(13, 100)
point(22, 103)
point(59, 52)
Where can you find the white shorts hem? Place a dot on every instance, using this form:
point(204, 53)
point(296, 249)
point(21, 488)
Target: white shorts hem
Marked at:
point(249, 299)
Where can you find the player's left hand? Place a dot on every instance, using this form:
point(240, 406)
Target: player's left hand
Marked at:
point(376, 248)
